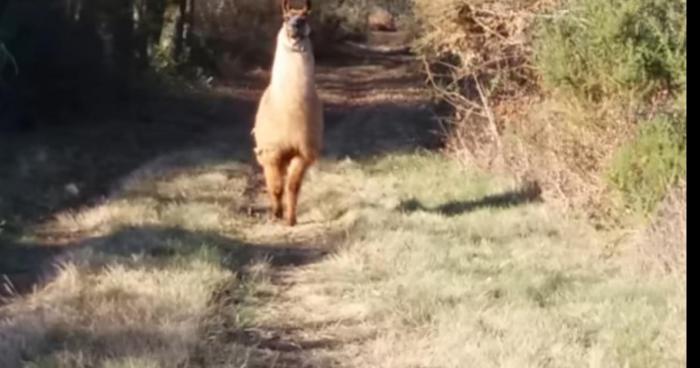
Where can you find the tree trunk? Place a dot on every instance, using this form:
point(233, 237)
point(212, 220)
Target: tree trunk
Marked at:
point(170, 34)
point(186, 39)
point(176, 36)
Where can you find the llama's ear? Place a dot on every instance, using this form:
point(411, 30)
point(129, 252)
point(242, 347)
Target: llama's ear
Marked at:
point(285, 6)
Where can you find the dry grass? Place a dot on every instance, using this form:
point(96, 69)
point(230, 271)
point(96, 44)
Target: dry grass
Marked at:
point(663, 243)
point(476, 57)
point(137, 307)
point(568, 146)
point(135, 292)
point(426, 272)
point(140, 289)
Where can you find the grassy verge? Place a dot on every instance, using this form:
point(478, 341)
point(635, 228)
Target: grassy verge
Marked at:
point(481, 284)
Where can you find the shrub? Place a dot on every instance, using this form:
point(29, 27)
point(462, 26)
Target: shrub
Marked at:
point(631, 53)
point(477, 59)
point(645, 168)
point(599, 48)
point(600, 67)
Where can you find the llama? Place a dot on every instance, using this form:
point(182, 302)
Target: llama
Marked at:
point(288, 127)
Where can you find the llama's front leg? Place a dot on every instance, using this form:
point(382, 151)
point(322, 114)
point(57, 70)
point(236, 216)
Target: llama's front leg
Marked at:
point(295, 176)
point(274, 180)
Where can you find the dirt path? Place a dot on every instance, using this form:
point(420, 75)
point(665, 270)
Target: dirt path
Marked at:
point(374, 98)
point(374, 104)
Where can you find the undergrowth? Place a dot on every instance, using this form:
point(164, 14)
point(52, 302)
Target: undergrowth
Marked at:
point(646, 167)
point(585, 97)
point(601, 48)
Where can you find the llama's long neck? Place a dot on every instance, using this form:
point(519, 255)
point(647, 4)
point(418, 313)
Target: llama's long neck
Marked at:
point(293, 68)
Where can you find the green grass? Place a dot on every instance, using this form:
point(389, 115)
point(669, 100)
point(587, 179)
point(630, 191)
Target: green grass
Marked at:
point(514, 286)
point(645, 168)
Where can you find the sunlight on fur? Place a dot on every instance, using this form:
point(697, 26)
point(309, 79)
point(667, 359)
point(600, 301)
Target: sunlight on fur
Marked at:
point(289, 124)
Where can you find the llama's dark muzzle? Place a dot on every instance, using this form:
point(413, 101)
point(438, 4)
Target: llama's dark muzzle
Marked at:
point(297, 27)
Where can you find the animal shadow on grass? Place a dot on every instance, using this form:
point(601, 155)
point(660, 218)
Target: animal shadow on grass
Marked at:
point(530, 192)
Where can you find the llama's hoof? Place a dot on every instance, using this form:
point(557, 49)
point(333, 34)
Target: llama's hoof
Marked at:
point(276, 214)
point(291, 221)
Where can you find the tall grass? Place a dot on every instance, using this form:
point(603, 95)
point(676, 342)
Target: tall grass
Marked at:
point(655, 159)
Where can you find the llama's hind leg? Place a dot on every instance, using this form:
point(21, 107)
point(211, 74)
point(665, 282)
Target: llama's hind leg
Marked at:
point(295, 176)
point(274, 179)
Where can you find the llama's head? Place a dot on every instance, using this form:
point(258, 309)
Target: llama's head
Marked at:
point(296, 22)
